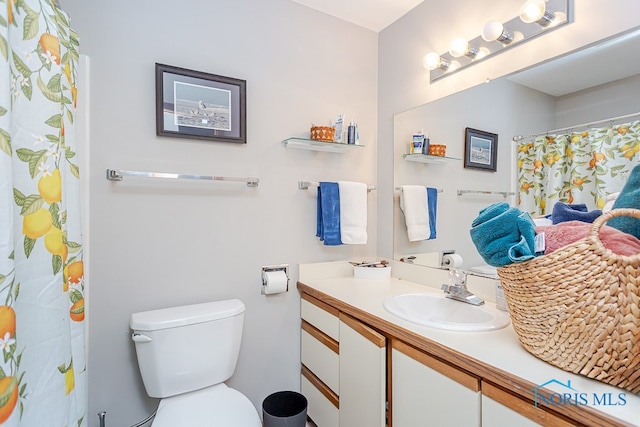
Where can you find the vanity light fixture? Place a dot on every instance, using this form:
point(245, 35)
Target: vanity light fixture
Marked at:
point(432, 61)
point(535, 18)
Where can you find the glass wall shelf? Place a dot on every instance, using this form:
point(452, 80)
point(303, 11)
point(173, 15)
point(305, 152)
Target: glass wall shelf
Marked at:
point(426, 158)
point(312, 144)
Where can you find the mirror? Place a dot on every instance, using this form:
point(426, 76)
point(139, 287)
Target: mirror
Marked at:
point(595, 83)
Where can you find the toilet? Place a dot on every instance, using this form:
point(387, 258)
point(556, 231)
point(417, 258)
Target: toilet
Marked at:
point(185, 354)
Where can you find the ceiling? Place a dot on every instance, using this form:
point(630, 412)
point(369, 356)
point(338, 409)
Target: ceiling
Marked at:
point(599, 64)
point(372, 14)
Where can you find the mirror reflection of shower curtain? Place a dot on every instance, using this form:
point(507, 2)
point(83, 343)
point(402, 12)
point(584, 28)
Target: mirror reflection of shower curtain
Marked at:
point(42, 368)
point(579, 167)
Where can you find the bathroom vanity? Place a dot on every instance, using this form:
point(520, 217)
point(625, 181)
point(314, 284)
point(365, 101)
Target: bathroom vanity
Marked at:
point(362, 365)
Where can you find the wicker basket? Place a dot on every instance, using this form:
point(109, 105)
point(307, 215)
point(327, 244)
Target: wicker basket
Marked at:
point(437, 150)
point(322, 133)
point(578, 308)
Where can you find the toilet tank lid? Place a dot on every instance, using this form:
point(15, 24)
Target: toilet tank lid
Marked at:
point(172, 317)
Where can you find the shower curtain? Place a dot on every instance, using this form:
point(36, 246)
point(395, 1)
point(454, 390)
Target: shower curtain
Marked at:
point(42, 368)
point(579, 167)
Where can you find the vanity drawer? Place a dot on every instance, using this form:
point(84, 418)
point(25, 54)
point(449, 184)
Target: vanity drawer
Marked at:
point(322, 403)
point(321, 316)
point(320, 354)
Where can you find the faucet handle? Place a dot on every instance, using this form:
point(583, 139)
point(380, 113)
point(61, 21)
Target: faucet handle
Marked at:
point(458, 277)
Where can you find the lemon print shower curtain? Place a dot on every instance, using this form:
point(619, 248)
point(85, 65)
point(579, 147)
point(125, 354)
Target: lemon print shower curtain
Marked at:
point(577, 167)
point(42, 365)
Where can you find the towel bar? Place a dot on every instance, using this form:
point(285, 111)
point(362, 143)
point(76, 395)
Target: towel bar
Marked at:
point(440, 190)
point(304, 185)
point(118, 174)
point(504, 194)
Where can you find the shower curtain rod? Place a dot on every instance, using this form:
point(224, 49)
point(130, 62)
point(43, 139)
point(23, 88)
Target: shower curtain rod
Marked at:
point(519, 138)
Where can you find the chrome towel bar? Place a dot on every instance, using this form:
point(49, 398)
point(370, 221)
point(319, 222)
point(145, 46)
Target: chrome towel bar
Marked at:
point(118, 174)
point(304, 185)
point(440, 190)
point(504, 194)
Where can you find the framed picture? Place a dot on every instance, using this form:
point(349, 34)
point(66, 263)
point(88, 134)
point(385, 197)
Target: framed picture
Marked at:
point(193, 104)
point(480, 149)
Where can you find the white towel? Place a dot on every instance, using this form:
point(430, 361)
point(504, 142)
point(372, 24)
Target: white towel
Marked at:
point(609, 202)
point(353, 212)
point(413, 202)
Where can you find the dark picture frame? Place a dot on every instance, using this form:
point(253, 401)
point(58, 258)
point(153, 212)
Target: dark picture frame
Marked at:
point(194, 104)
point(480, 149)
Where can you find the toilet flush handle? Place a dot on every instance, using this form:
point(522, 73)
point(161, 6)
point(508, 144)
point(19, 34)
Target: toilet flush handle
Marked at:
point(136, 337)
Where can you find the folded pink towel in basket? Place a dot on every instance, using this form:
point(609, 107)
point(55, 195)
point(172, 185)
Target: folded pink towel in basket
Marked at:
point(565, 233)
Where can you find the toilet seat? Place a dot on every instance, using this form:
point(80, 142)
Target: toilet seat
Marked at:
point(209, 407)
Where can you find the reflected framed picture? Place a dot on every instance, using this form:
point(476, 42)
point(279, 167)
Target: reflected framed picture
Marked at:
point(194, 104)
point(480, 149)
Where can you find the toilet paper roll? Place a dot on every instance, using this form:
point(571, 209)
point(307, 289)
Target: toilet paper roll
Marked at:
point(452, 261)
point(274, 282)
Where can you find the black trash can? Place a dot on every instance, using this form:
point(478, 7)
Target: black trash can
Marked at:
point(284, 409)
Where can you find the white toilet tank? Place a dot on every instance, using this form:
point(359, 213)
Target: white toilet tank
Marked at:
point(182, 349)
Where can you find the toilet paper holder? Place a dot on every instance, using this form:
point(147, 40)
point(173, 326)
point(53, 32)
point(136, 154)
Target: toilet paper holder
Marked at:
point(271, 268)
point(443, 261)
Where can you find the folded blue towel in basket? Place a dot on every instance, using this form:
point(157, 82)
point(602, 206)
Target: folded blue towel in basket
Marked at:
point(503, 235)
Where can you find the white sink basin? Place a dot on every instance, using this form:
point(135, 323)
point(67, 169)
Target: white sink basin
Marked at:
point(439, 312)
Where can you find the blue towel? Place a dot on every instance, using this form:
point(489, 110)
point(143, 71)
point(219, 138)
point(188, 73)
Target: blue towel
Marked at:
point(629, 197)
point(432, 205)
point(563, 212)
point(328, 214)
point(503, 235)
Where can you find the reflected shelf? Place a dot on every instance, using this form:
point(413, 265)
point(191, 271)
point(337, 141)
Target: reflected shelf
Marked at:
point(314, 145)
point(426, 158)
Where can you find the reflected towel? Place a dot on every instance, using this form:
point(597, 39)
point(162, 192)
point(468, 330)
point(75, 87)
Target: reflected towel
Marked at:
point(353, 212)
point(432, 207)
point(328, 214)
point(563, 212)
point(413, 202)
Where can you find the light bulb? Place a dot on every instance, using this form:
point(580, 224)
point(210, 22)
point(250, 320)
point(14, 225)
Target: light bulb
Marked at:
point(482, 52)
point(560, 17)
point(532, 10)
point(432, 60)
point(458, 47)
point(536, 11)
point(495, 31)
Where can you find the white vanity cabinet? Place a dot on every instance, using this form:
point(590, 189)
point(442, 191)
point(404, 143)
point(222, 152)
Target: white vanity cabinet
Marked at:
point(429, 392)
point(502, 409)
point(343, 368)
point(362, 374)
point(319, 353)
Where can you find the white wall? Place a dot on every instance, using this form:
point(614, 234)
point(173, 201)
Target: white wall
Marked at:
point(404, 84)
point(160, 243)
point(618, 98)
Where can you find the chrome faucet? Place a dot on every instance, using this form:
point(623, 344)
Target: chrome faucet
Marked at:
point(458, 289)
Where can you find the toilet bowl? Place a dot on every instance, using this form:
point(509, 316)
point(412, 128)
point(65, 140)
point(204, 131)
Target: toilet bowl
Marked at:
point(185, 354)
point(218, 405)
